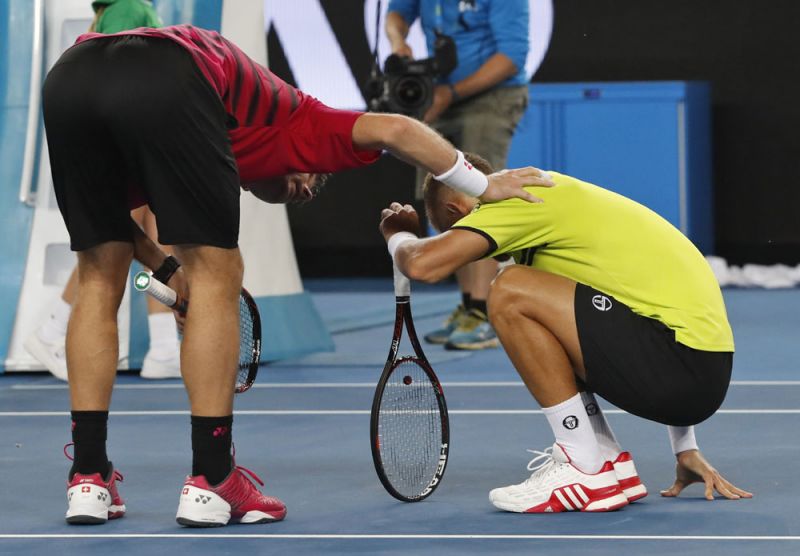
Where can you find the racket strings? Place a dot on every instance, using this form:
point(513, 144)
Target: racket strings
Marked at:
point(410, 429)
point(247, 343)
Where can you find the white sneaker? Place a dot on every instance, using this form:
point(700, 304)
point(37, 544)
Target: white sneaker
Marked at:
point(558, 486)
point(155, 367)
point(628, 478)
point(52, 356)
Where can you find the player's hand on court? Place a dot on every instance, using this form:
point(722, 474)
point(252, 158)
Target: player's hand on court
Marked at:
point(399, 218)
point(180, 284)
point(692, 468)
point(508, 184)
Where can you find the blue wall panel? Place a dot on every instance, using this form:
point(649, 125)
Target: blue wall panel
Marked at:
point(16, 24)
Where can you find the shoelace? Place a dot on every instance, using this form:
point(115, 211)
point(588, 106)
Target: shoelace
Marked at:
point(117, 475)
point(546, 465)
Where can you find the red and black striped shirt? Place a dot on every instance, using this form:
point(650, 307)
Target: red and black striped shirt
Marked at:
point(280, 129)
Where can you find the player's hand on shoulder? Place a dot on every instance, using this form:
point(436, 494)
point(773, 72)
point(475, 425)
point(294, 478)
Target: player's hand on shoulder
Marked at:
point(399, 218)
point(508, 184)
point(692, 468)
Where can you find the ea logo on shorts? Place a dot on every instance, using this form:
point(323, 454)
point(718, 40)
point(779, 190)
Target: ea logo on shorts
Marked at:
point(570, 422)
point(601, 303)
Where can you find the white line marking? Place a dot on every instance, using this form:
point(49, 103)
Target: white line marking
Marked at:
point(367, 412)
point(402, 536)
point(472, 384)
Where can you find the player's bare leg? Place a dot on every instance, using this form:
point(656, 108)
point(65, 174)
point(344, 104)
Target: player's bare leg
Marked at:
point(92, 336)
point(534, 315)
point(210, 347)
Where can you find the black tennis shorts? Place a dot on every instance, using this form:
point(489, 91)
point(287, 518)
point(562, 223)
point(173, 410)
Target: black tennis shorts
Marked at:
point(132, 119)
point(635, 363)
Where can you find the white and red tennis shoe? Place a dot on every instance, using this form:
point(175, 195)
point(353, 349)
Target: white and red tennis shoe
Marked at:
point(93, 500)
point(628, 478)
point(556, 485)
point(235, 499)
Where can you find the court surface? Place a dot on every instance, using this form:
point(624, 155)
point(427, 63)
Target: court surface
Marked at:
point(304, 429)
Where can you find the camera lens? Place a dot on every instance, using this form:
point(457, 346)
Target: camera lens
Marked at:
point(410, 92)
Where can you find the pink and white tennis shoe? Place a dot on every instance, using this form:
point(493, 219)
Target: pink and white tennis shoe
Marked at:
point(236, 499)
point(93, 500)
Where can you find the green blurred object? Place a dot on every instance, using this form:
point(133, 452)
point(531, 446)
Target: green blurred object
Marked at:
point(123, 15)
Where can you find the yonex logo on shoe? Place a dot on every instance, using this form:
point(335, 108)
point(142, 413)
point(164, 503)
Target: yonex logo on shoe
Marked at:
point(591, 409)
point(220, 431)
point(102, 496)
point(601, 303)
point(202, 499)
point(570, 422)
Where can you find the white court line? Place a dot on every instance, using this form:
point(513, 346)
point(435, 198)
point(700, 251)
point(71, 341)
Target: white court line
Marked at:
point(473, 384)
point(405, 537)
point(339, 412)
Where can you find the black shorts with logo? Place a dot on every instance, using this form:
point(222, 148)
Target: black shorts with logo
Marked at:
point(132, 118)
point(635, 363)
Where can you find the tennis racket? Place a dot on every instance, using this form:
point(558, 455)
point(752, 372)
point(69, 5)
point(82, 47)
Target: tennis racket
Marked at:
point(409, 425)
point(249, 324)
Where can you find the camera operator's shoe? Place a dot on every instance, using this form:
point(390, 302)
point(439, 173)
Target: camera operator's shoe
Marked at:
point(441, 335)
point(558, 486)
point(628, 478)
point(473, 332)
point(236, 499)
point(93, 500)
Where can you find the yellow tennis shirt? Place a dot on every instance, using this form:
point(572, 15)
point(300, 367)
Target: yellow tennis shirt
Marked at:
point(615, 245)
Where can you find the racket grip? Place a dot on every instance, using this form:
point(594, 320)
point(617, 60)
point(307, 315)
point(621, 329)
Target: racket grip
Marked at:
point(144, 282)
point(402, 285)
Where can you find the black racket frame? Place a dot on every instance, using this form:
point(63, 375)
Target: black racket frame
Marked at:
point(248, 370)
point(403, 315)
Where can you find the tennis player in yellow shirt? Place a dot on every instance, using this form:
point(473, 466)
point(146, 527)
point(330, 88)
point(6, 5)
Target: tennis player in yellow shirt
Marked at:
point(606, 297)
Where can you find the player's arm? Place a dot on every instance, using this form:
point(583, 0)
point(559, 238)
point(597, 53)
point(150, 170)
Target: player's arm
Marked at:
point(150, 255)
point(430, 259)
point(417, 144)
point(692, 467)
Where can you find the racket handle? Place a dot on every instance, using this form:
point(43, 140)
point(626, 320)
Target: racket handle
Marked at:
point(144, 282)
point(402, 285)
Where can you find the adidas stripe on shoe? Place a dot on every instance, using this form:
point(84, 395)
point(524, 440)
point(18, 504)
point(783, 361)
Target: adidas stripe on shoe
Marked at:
point(558, 486)
point(628, 478)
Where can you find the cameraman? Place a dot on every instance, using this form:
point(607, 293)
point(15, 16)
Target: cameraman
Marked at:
point(477, 107)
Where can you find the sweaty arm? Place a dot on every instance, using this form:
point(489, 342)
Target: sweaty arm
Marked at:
point(430, 259)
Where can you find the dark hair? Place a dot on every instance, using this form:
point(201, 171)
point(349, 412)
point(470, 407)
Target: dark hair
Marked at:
point(432, 188)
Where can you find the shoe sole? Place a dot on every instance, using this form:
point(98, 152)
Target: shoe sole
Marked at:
point(186, 522)
point(247, 519)
point(436, 341)
point(474, 346)
point(635, 493)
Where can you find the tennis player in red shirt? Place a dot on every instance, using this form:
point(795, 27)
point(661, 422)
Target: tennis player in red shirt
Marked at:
point(180, 118)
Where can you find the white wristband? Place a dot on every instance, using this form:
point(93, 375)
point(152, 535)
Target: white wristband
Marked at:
point(464, 177)
point(682, 439)
point(398, 239)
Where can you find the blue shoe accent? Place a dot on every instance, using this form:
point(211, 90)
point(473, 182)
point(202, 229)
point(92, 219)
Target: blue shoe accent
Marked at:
point(441, 335)
point(474, 332)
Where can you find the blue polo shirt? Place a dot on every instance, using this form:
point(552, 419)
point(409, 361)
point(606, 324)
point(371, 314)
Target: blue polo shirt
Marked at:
point(480, 28)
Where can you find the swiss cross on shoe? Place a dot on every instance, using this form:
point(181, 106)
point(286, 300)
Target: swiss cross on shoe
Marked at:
point(468, 165)
point(86, 488)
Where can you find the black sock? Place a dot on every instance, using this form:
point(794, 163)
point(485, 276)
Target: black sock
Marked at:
point(479, 304)
point(211, 447)
point(465, 300)
point(89, 431)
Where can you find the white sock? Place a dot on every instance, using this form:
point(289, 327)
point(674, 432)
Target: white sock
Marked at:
point(609, 447)
point(55, 327)
point(573, 431)
point(163, 335)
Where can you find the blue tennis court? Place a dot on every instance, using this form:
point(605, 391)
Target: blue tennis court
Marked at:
point(304, 429)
